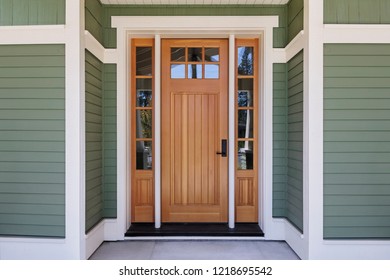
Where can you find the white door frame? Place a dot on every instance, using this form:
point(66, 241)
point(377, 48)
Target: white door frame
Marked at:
point(230, 27)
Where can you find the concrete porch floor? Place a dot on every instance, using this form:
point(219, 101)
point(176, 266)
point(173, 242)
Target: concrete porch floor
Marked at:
point(194, 250)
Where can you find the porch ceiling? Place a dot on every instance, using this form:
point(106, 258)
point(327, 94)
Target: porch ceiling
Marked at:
point(194, 2)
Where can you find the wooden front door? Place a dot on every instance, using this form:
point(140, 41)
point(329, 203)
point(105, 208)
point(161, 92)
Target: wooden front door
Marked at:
point(194, 125)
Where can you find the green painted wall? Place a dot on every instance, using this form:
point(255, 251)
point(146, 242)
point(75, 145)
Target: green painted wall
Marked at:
point(94, 140)
point(32, 140)
point(279, 139)
point(356, 141)
point(294, 18)
point(32, 12)
point(288, 141)
point(280, 34)
point(357, 11)
point(109, 139)
point(294, 199)
point(94, 18)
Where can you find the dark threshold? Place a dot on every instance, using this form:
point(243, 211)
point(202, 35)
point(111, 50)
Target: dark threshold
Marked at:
point(195, 229)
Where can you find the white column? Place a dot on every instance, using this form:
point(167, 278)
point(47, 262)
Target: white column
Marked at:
point(231, 152)
point(75, 130)
point(157, 130)
point(123, 136)
point(313, 127)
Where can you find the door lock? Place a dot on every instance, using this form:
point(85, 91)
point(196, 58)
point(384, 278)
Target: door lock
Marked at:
point(223, 152)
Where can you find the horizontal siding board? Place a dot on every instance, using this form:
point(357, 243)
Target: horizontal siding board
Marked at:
point(32, 12)
point(355, 73)
point(279, 140)
point(360, 93)
point(356, 12)
point(357, 61)
point(32, 199)
point(356, 168)
point(363, 190)
point(357, 232)
point(362, 125)
point(31, 188)
point(356, 140)
point(33, 209)
point(362, 157)
point(94, 140)
point(294, 193)
point(109, 140)
point(34, 230)
point(49, 220)
point(32, 138)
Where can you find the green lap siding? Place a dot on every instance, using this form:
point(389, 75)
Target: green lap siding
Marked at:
point(94, 140)
point(294, 191)
point(356, 141)
point(294, 18)
point(279, 139)
point(32, 12)
point(288, 141)
point(357, 11)
point(32, 140)
point(94, 18)
point(109, 138)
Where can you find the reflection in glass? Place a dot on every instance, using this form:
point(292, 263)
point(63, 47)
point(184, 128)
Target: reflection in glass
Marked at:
point(194, 71)
point(245, 123)
point(194, 54)
point(211, 54)
point(178, 71)
point(178, 54)
point(211, 71)
point(144, 155)
point(144, 61)
point(245, 60)
point(245, 155)
point(144, 93)
point(245, 98)
point(144, 124)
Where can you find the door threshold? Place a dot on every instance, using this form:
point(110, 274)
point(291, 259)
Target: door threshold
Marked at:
point(208, 230)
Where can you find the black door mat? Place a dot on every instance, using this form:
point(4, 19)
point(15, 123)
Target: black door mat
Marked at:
point(194, 229)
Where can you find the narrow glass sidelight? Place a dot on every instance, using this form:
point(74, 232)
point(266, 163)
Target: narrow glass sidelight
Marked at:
point(246, 97)
point(142, 139)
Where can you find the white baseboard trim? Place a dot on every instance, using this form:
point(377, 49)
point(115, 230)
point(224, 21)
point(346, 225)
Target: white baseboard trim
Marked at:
point(94, 239)
point(296, 240)
point(14, 248)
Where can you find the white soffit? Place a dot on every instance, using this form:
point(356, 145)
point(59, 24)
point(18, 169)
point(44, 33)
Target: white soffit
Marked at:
point(194, 2)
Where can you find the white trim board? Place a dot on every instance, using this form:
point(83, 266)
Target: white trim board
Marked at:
point(42, 34)
point(291, 50)
point(163, 24)
point(106, 56)
point(356, 33)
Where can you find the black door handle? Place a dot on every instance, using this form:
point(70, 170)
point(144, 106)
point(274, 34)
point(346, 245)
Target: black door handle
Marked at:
point(223, 152)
